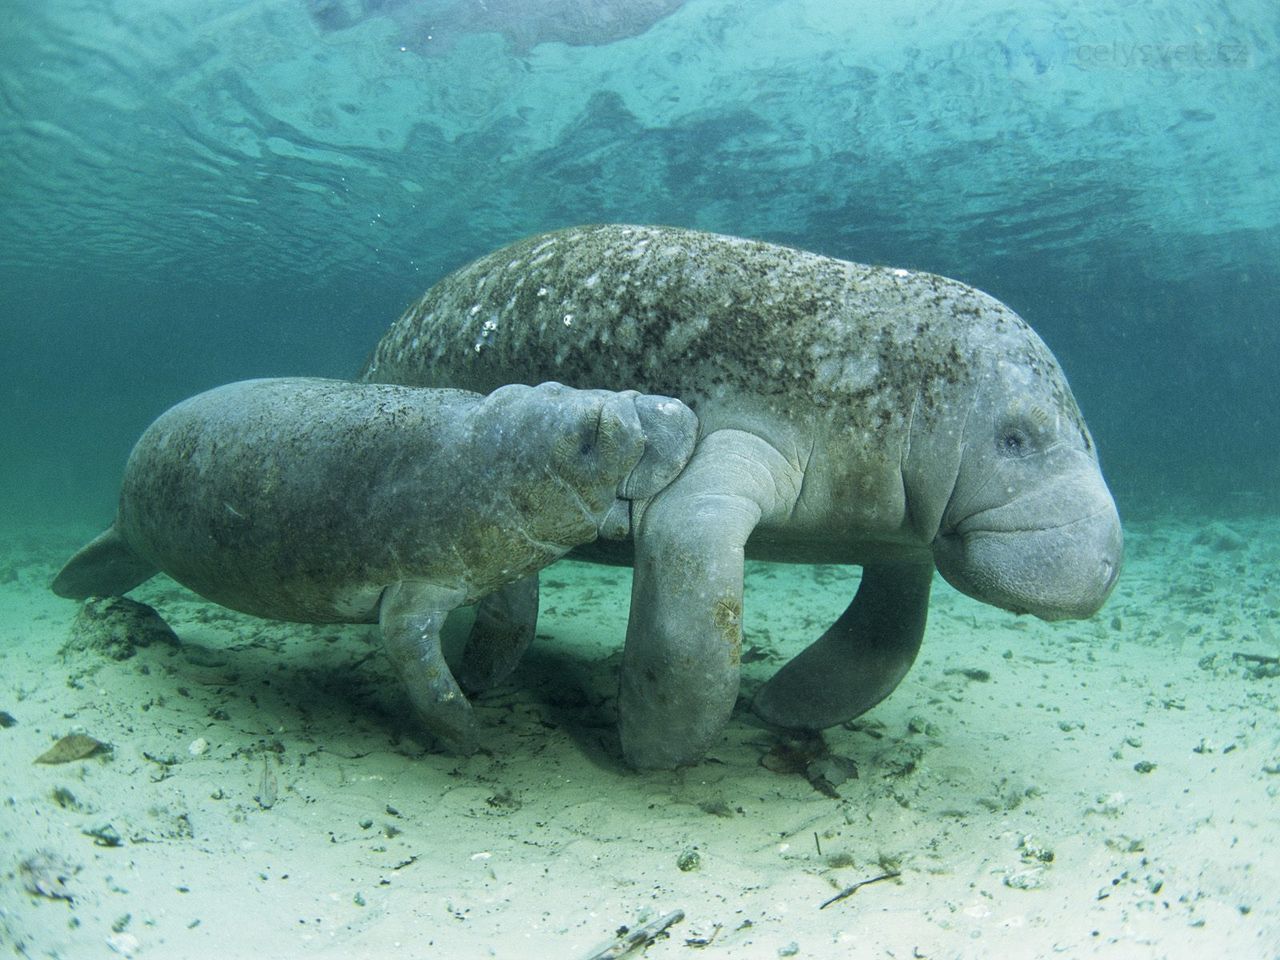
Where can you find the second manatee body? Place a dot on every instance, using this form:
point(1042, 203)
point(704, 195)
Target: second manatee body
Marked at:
point(848, 413)
point(326, 501)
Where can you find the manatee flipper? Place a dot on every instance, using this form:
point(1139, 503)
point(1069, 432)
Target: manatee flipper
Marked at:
point(861, 658)
point(503, 629)
point(681, 661)
point(411, 615)
point(104, 567)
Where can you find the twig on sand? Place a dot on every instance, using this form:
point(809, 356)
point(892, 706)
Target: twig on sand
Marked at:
point(1255, 657)
point(850, 891)
point(641, 936)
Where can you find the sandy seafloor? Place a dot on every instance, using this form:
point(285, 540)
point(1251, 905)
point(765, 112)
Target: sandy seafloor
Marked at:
point(1003, 781)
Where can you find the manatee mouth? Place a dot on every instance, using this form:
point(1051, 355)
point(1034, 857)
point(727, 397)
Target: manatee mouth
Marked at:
point(1060, 572)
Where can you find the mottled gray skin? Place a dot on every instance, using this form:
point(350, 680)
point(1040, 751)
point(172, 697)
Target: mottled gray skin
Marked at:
point(848, 414)
point(324, 501)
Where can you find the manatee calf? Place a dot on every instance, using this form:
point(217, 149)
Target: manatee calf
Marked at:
point(848, 414)
point(322, 501)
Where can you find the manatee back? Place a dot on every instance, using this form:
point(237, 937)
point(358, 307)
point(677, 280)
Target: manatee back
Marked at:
point(697, 316)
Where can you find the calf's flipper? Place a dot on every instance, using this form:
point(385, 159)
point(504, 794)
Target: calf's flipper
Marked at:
point(505, 623)
point(411, 615)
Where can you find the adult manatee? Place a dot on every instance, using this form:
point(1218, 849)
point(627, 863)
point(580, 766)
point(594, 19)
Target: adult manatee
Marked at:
point(847, 414)
point(322, 501)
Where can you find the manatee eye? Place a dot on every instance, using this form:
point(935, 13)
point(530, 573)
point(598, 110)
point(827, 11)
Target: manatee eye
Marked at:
point(603, 441)
point(1013, 443)
point(596, 438)
point(1017, 437)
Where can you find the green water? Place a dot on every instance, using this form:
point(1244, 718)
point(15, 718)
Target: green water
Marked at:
point(196, 193)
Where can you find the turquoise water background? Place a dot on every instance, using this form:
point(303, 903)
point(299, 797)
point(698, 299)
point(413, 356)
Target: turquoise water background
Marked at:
point(204, 191)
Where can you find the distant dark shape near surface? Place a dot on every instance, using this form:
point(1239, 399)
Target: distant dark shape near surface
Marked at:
point(432, 27)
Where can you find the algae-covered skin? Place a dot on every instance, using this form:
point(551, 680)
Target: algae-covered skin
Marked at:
point(326, 501)
point(848, 413)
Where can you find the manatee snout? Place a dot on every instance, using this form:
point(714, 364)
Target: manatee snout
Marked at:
point(612, 448)
point(670, 430)
point(660, 435)
point(1057, 564)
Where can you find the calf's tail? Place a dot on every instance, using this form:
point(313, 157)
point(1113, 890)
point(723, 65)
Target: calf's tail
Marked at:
point(105, 567)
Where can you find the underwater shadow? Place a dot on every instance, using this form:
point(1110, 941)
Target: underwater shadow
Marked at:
point(576, 696)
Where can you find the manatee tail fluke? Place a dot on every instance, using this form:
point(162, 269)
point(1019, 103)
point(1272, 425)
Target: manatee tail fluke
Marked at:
point(105, 567)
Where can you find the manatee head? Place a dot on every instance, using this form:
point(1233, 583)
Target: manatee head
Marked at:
point(580, 457)
point(1029, 524)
